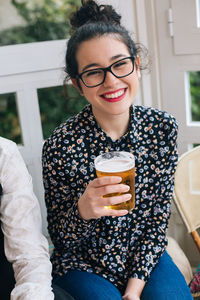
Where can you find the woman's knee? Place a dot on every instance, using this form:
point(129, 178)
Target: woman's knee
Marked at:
point(167, 295)
point(166, 282)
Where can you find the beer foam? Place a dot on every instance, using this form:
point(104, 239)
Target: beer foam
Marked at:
point(115, 165)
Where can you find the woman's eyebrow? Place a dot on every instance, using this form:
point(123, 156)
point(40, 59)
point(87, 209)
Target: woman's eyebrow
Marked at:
point(118, 56)
point(89, 66)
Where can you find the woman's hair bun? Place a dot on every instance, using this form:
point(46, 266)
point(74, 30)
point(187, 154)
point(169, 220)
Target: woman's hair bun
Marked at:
point(91, 12)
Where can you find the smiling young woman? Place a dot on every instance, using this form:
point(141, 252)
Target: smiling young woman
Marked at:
point(103, 253)
point(111, 99)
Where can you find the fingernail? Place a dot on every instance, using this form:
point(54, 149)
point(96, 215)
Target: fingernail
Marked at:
point(128, 196)
point(126, 188)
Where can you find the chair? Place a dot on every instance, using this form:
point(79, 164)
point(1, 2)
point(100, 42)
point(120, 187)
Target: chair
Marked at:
point(180, 259)
point(187, 192)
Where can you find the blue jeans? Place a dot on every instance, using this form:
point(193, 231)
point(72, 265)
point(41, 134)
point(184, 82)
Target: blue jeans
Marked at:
point(166, 283)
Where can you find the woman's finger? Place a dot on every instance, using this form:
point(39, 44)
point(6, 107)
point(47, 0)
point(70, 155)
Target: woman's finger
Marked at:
point(110, 189)
point(105, 180)
point(108, 201)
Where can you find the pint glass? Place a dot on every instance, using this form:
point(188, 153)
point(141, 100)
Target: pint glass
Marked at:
point(118, 163)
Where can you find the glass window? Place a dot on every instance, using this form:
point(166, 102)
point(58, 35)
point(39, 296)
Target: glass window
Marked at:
point(9, 119)
point(194, 83)
point(198, 12)
point(34, 21)
point(57, 104)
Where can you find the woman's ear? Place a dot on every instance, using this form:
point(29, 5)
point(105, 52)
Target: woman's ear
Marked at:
point(77, 86)
point(137, 62)
point(74, 82)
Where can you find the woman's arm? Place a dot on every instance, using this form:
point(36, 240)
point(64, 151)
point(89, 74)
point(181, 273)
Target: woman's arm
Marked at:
point(65, 225)
point(72, 219)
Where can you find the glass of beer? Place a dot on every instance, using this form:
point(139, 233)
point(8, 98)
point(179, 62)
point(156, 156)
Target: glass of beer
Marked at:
point(118, 163)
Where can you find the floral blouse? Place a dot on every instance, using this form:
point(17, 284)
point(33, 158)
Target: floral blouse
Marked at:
point(121, 247)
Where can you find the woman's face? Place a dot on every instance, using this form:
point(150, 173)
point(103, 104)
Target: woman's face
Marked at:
point(115, 95)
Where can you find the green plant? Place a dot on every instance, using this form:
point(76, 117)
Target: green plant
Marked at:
point(44, 20)
point(59, 107)
point(10, 126)
point(195, 95)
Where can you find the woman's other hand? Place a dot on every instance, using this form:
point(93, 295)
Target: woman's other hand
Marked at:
point(92, 204)
point(130, 297)
point(134, 289)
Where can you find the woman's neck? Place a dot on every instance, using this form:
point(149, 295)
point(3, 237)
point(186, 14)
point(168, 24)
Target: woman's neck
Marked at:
point(115, 126)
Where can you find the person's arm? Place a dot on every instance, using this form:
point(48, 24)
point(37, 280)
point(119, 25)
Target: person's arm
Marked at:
point(65, 225)
point(153, 241)
point(25, 246)
point(72, 215)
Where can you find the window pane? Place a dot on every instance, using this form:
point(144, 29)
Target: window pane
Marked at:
point(195, 95)
point(34, 21)
point(57, 105)
point(9, 120)
point(198, 12)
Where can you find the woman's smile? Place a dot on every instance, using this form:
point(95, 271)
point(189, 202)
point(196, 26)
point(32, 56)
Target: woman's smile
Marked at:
point(114, 96)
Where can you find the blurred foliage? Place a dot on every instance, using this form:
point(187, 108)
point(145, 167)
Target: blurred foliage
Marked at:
point(57, 109)
point(195, 95)
point(44, 20)
point(10, 126)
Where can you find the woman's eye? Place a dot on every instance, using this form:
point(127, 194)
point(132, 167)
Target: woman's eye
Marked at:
point(93, 73)
point(120, 64)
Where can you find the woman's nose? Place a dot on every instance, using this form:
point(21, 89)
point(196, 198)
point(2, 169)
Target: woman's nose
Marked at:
point(110, 79)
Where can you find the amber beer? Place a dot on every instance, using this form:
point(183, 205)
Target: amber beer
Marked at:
point(118, 163)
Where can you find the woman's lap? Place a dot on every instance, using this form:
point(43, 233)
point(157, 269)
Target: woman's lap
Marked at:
point(166, 283)
point(85, 286)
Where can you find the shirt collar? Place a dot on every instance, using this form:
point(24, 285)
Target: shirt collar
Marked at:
point(132, 132)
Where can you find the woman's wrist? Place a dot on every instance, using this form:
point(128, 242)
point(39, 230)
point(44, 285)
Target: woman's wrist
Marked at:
point(134, 288)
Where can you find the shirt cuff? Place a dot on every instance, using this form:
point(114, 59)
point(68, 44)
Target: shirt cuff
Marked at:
point(83, 226)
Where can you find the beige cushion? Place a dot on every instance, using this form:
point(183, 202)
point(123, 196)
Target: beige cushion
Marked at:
point(179, 258)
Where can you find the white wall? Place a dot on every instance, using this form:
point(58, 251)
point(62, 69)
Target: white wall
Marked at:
point(8, 15)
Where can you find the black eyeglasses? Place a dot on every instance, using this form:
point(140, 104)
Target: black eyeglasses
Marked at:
point(119, 69)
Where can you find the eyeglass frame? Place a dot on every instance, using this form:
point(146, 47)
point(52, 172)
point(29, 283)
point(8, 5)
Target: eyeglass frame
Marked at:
point(105, 70)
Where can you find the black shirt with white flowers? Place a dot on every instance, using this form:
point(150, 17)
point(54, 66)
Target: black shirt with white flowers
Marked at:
point(121, 247)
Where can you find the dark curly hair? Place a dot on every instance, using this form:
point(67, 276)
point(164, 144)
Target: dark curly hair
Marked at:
point(92, 21)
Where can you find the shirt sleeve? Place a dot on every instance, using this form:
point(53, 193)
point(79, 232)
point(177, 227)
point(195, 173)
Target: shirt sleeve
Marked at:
point(25, 246)
point(66, 227)
point(153, 241)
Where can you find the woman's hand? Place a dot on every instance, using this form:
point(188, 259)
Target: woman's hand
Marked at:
point(130, 297)
point(134, 289)
point(92, 203)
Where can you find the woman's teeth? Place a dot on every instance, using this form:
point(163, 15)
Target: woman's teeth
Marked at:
point(114, 95)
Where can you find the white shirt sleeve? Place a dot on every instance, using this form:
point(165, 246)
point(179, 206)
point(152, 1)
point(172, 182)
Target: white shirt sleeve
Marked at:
point(25, 246)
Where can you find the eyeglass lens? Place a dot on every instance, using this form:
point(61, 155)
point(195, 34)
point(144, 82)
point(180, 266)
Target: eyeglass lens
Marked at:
point(120, 68)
